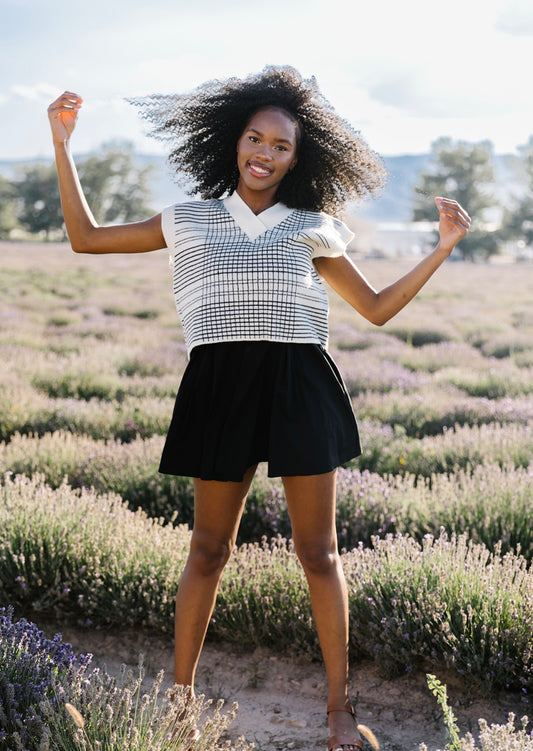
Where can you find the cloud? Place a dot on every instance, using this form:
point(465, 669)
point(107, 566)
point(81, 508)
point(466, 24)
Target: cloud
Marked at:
point(34, 93)
point(516, 18)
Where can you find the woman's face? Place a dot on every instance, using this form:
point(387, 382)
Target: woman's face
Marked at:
point(266, 151)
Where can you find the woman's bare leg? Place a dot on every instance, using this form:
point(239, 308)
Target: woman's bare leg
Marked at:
point(311, 502)
point(218, 508)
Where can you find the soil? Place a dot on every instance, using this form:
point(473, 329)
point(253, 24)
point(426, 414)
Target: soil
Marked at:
point(282, 698)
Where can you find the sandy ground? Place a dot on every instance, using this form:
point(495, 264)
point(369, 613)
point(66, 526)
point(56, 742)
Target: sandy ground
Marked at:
point(282, 699)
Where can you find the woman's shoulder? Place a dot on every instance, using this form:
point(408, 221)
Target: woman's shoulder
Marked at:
point(322, 222)
point(195, 206)
point(180, 217)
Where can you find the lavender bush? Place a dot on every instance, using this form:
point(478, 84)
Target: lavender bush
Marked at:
point(434, 357)
point(447, 601)
point(407, 602)
point(87, 558)
point(494, 383)
point(27, 412)
point(393, 452)
point(40, 676)
point(432, 409)
point(32, 667)
point(129, 469)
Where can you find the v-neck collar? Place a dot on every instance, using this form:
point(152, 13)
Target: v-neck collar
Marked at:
point(252, 224)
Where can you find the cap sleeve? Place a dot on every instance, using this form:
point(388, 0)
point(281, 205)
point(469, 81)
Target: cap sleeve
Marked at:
point(168, 225)
point(330, 238)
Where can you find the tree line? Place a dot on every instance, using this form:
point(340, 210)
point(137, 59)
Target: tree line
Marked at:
point(117, 191)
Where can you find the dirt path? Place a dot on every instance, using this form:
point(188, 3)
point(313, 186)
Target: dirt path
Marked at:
point(282, 699)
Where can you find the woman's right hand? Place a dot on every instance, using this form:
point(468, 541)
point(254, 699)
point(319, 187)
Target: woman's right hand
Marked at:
point(85, 235)
point(62, 114)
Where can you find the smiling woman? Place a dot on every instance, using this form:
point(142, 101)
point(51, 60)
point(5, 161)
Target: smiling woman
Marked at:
point(268, 156)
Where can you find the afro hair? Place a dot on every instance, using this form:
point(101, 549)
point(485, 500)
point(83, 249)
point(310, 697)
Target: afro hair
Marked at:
point(335, 164)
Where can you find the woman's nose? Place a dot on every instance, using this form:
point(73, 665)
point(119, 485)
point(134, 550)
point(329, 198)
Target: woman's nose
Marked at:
point(264, 153)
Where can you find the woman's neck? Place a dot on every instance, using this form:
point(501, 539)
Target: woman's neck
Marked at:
point(257, 200)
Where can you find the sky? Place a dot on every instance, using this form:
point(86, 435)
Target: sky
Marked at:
point(404, 73)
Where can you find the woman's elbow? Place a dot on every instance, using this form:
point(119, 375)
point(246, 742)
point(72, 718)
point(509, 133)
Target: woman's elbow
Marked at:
point(78, 247)
point(85, 237)
point(380, 313)
point(380, 320)
point(377, 317)
point(84, 244)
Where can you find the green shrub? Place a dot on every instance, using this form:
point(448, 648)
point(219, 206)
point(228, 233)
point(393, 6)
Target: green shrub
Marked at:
point(389, 452)
point(85, 557)
point(431, 410)
point(492, 738)
point(422, 336)
point(448, 601)
point(490, 382)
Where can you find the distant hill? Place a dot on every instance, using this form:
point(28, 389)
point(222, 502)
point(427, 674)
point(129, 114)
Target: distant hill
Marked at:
point(395, 204)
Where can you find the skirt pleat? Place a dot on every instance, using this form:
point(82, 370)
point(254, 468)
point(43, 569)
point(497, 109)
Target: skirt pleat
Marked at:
point(241, 403)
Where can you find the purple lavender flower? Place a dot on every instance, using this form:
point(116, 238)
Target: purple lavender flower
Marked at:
point(31, 666)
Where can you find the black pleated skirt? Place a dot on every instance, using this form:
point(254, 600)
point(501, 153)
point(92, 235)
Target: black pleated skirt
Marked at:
point(241, 403)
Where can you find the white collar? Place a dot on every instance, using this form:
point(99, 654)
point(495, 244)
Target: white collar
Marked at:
point(252, 224)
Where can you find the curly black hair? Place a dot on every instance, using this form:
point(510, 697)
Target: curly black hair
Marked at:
point(335, 164)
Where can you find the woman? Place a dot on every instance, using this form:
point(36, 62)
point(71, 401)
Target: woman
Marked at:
point(268, 156)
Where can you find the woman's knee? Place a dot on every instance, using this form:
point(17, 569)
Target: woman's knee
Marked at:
point(317, 558)
point(208, 555)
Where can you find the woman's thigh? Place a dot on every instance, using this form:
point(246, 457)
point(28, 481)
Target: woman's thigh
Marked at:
point(218, 508)
point(311, 504)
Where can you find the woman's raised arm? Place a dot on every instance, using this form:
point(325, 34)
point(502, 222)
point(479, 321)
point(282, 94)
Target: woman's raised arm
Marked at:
point(85, 235)
point(379, 307)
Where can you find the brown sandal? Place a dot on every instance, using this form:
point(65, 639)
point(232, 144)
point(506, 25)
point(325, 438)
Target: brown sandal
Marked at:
point(345, 739)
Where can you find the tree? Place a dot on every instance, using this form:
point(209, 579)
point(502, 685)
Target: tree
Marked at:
point(462, 171)
point(8, 219)
point(116, 190)
point(518, 221)
point(40, 205)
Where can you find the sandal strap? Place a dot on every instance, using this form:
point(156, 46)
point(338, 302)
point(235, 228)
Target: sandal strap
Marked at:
point(348, 707)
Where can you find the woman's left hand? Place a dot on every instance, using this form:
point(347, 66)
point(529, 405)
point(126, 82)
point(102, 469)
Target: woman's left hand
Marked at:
point(453, 225)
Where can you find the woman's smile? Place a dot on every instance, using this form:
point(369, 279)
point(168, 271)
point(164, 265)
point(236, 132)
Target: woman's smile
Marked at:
point(259, 170)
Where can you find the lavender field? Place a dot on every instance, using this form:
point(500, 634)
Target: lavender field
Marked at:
point(434, 518)
point(92, 355)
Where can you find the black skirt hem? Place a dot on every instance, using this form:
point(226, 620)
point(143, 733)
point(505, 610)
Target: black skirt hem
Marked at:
point(271, 472)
